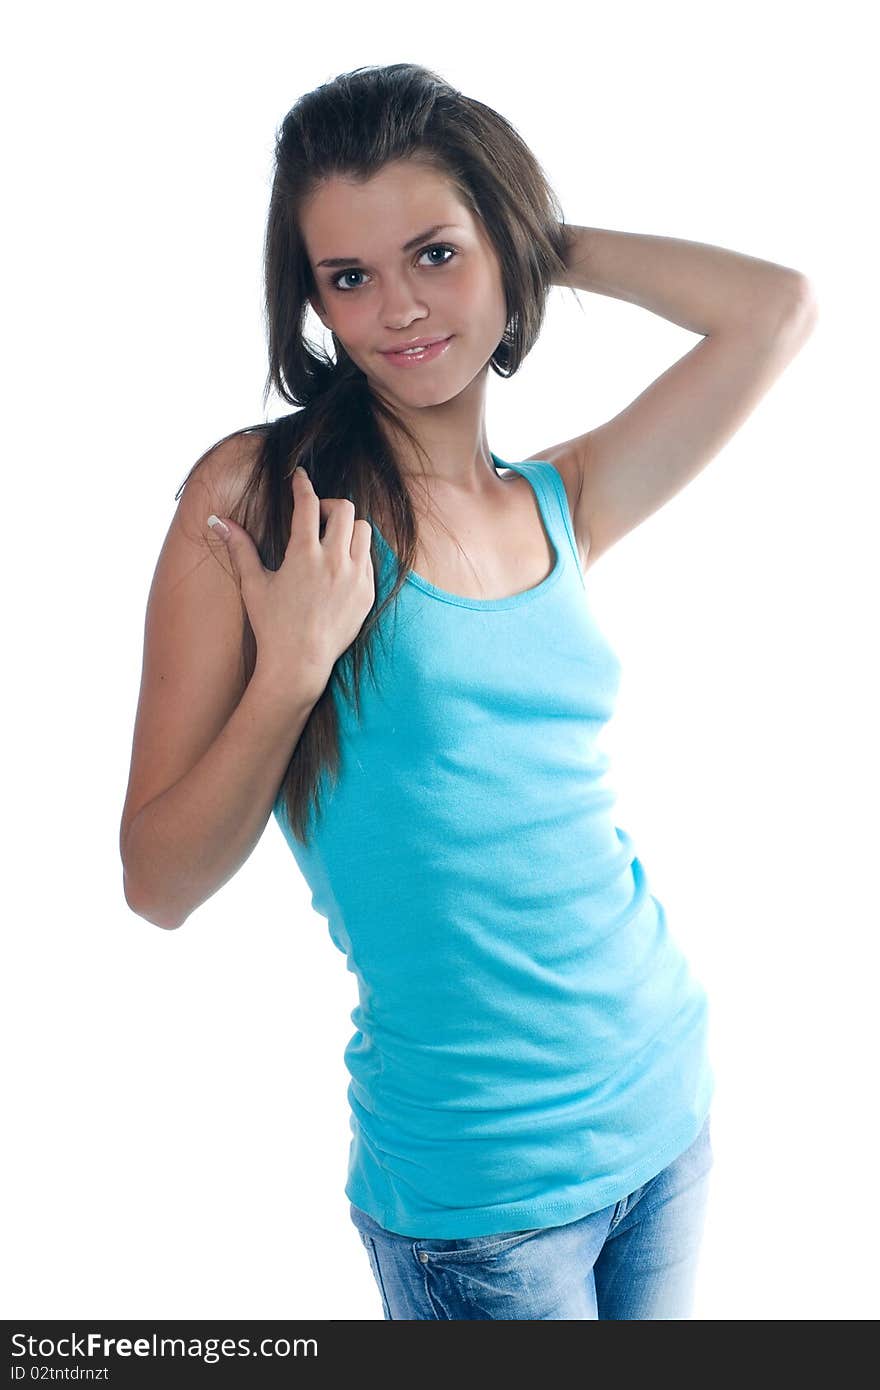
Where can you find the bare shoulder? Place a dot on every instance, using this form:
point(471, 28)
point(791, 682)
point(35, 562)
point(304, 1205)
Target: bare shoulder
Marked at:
point(566, 459)
point(193, 671)
point(220, 476)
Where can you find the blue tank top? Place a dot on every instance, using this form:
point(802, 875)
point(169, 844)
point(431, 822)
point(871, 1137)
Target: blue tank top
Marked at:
point(531, 1043)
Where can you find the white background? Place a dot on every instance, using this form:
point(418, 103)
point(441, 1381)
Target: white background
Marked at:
point(176, 1101)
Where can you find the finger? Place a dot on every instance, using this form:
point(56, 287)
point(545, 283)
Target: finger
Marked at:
point(245, 557)
point(340, 518)
point(361, 540)
point(306, 509)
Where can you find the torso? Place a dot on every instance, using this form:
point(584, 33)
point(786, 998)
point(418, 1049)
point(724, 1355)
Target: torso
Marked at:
point(503, 539)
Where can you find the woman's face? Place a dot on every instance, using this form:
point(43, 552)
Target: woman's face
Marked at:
point(379, 296)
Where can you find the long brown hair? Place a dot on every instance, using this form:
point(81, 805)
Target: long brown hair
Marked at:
point(351, 127)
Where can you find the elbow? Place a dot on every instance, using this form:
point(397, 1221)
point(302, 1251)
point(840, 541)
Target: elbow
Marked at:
point(802, 316)
point(802, 304)
point(792, 313)
point(141, 905)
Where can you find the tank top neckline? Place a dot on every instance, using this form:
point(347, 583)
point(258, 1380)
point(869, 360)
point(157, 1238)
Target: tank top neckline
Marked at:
point(418, 581)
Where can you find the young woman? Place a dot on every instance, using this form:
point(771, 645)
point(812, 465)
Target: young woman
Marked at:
point(365, 621)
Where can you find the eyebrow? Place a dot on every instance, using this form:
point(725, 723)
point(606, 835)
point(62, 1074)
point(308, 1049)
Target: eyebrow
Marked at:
point(410, 245)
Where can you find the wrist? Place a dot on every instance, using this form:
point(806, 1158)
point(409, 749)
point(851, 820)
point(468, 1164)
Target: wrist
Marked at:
point(292, 693)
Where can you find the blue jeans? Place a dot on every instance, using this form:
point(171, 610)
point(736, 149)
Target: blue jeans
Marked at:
point(634, 1259)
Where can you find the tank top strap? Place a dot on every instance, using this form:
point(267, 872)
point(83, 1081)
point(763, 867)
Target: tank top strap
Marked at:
point(547, 479)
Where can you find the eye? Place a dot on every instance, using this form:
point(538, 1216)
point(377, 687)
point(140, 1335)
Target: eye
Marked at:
point(439, 246)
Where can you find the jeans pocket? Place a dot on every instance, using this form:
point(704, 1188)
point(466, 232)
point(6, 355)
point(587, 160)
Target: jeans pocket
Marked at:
point(465, 1249)
point(370, 1246)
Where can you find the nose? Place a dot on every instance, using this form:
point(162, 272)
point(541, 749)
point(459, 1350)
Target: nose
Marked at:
point(400, 308)
point(399, 323)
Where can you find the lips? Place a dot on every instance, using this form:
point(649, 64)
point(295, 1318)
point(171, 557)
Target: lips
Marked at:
point(418, 357)
point(415, 343)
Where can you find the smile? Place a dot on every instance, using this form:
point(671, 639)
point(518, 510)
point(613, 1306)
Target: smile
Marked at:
point(414, 356)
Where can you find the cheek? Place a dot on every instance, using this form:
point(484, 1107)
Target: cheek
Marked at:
point(482, 288)
point(349, 320)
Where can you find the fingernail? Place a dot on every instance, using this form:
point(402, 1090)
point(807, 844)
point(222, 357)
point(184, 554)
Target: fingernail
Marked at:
point(219, 526)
